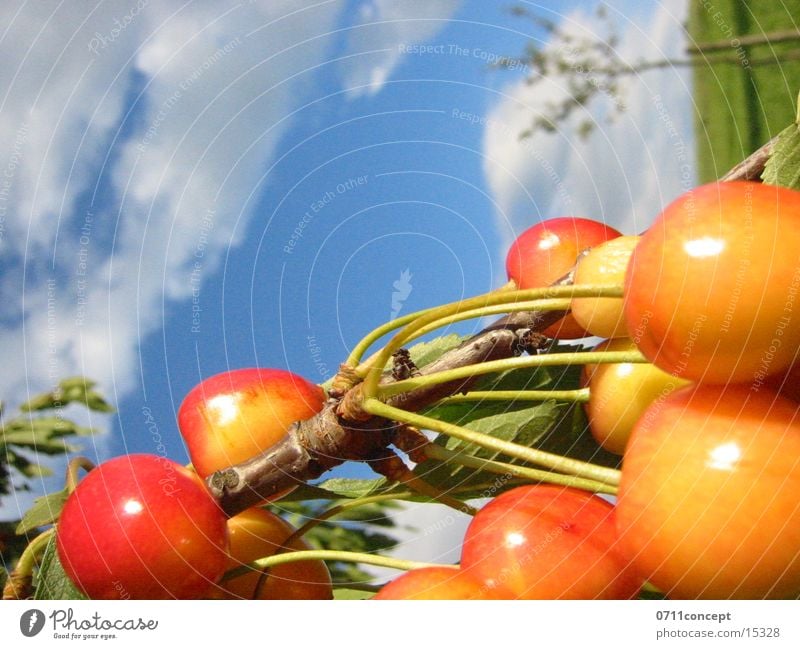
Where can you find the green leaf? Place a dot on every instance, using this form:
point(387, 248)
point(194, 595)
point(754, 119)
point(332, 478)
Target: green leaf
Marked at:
point(51, 581)
point(352, 593)
point(335, 489)
point(76, 382)
point(783, 166)
point(94, 401)
point(45, 510)
point(551, 426)
point(425, 353)
point(72, 390)
point(39, 440)
point(25, 466)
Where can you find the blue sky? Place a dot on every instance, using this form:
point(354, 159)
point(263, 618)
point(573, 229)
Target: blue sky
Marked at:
point(200, 186)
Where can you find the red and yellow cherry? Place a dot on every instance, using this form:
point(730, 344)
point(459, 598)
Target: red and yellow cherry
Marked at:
point(257, 534)
point(711, 288)
point(548, 542)
point(707, 504)
point(233, 416)
point(619, 393)
point(142, 527)
point(547, 251)
point(605, 264)
point(440, 582)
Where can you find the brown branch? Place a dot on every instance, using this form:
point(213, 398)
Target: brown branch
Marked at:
point(753, 165)
point(341, 432)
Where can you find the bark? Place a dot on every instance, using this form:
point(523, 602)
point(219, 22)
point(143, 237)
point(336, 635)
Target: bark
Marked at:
point(341, 432)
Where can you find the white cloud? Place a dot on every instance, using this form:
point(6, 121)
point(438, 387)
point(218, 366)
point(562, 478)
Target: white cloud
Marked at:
point(379, 38)
point(626, 170)
point(213, 87)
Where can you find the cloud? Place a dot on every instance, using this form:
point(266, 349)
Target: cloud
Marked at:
point(130, 134)
point(379, 37)
point(628, 168)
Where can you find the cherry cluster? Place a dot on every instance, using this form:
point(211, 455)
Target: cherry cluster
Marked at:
point(707, 425)
point(694, 385)
point(144, 527)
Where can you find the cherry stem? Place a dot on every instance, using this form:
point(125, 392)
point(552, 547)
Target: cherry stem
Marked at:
point(420, 486)
point(576, 396)
point(354, 359)
point(19, 580)
point(489, 367)
point(367, 341)
point(552, 461)
point(559, 304)
point(375, 371)
point(436, 452)
point(75, 465)
point(327, 555)
point(366, 500)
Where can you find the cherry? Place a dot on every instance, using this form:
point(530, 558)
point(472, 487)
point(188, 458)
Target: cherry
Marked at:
point(233, 416)
point(256, 534)
point(142, 527)
point(548, 542)
point(605, 264)
point(548, 250)
point(440, 582)
point(708, 501)
point(619, 393)
point(711, 288)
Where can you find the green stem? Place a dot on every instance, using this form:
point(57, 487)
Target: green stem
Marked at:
point(327, 555)
point(530, 305)
point(552, 461)
point(366, 500)
point(577, 396)
point(376, 334)
point(338, 509)
point(374, 372)
point(489, 367)
point(19, 580)
point(420, 486)
point(503, 468)
point(75, 465)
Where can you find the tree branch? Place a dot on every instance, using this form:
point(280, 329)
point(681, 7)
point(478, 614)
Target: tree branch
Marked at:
point(342, 432)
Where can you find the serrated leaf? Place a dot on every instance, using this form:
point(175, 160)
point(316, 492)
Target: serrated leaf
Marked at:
point(425, 353)
point(526, 425)
point(352, 594)
point(551, 426)
point(51, 580)
point(44, 511)
point(783, 166)
point(335, 489)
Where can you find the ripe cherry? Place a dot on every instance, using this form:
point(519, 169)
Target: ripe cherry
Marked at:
point(708, 501)
point(142, 527)
point(619, 393)
point(711, 288)
point(548, 542)
point(547, 251)
point(235, 415)
point(257, 534)
point(441, 582)
point(605, 264)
